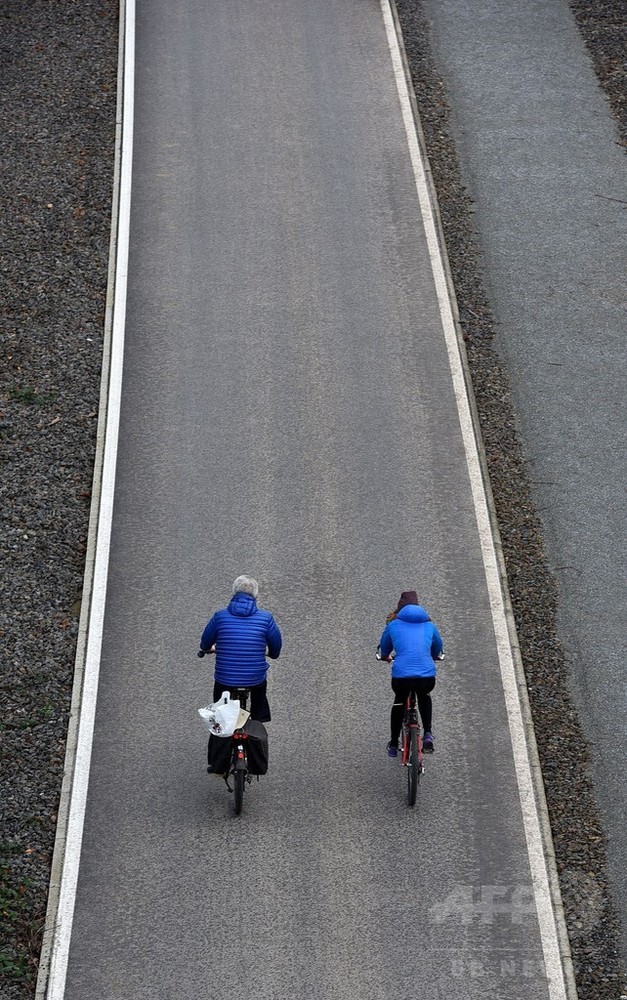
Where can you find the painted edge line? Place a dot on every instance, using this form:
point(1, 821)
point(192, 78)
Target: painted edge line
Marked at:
point(68, 840)
point(556, 950)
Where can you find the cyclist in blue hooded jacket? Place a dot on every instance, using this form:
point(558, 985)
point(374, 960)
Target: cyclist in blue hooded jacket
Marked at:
point(241, 635)
point(416, 644)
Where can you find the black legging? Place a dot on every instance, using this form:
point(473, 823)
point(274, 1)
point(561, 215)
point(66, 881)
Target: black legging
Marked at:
point(401, 687)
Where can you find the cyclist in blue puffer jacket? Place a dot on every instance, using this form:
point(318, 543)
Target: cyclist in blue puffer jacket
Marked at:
point(241, 635)
point(416, 643)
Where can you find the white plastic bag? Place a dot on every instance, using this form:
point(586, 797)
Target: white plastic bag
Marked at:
point(223, 717)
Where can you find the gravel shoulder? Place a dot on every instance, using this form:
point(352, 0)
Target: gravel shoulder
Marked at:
point(57, 112)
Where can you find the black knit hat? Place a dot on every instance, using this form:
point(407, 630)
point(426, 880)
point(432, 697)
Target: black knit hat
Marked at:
point(407, 597)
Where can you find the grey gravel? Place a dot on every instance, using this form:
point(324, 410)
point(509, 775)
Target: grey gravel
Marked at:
point(57, 121)
point(57, 114)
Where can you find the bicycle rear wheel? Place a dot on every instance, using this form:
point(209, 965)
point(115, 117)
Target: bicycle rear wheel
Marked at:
point(239, 777)
point(413, 768)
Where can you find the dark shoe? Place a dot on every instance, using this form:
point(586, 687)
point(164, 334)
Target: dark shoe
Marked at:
point(427, 743)
point(392, 749)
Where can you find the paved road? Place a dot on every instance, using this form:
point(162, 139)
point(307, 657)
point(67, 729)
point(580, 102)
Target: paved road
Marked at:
point(288, 411)
point(540, 156)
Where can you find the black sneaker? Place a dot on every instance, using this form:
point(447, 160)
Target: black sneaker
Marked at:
point(392, 749)
point(427, 743)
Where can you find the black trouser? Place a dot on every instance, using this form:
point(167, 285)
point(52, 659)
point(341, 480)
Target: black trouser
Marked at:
point(401, 687)
point(259, 707)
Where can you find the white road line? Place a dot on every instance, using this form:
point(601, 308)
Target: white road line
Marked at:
point(55, 954)
point(554, 958)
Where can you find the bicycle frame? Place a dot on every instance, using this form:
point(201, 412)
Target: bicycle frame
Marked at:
point(239, 763)
point(238, 754)
point(411, 721)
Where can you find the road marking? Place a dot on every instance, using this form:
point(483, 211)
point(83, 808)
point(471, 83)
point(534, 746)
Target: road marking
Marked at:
point(55, 950)
point(555, 957)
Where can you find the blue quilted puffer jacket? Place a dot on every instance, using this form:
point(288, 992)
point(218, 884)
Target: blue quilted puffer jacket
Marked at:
point(242, 632)
point(415, 640)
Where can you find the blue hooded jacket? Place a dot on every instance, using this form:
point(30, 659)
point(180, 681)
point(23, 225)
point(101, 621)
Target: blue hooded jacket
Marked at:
point(242, 632)
point(415, 640)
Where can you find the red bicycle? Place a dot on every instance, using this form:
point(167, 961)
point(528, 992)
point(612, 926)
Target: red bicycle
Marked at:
point(411, 747)
point(411, 742)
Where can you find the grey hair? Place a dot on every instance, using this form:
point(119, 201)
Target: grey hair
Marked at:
point(246, 585)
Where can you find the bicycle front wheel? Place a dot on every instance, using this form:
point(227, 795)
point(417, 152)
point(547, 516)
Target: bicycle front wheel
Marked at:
point(238, 790)
point(413, 768)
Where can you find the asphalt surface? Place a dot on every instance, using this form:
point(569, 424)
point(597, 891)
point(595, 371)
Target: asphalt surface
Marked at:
point(540, 156)
point(288, 412)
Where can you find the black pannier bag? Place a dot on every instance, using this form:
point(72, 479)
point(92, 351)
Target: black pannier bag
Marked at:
point(256, 747)
point(219, 754)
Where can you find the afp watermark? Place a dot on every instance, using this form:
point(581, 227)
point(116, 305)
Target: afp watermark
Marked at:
point(515, 904)
point(508, 968)
point(486, 904)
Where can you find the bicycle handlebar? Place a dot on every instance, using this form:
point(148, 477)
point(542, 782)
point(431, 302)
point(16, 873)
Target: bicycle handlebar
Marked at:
point(388, 659)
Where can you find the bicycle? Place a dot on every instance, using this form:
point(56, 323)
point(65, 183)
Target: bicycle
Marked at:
point(412, 756)
point(411, 747)
point(242, 756)
point(240, 764)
